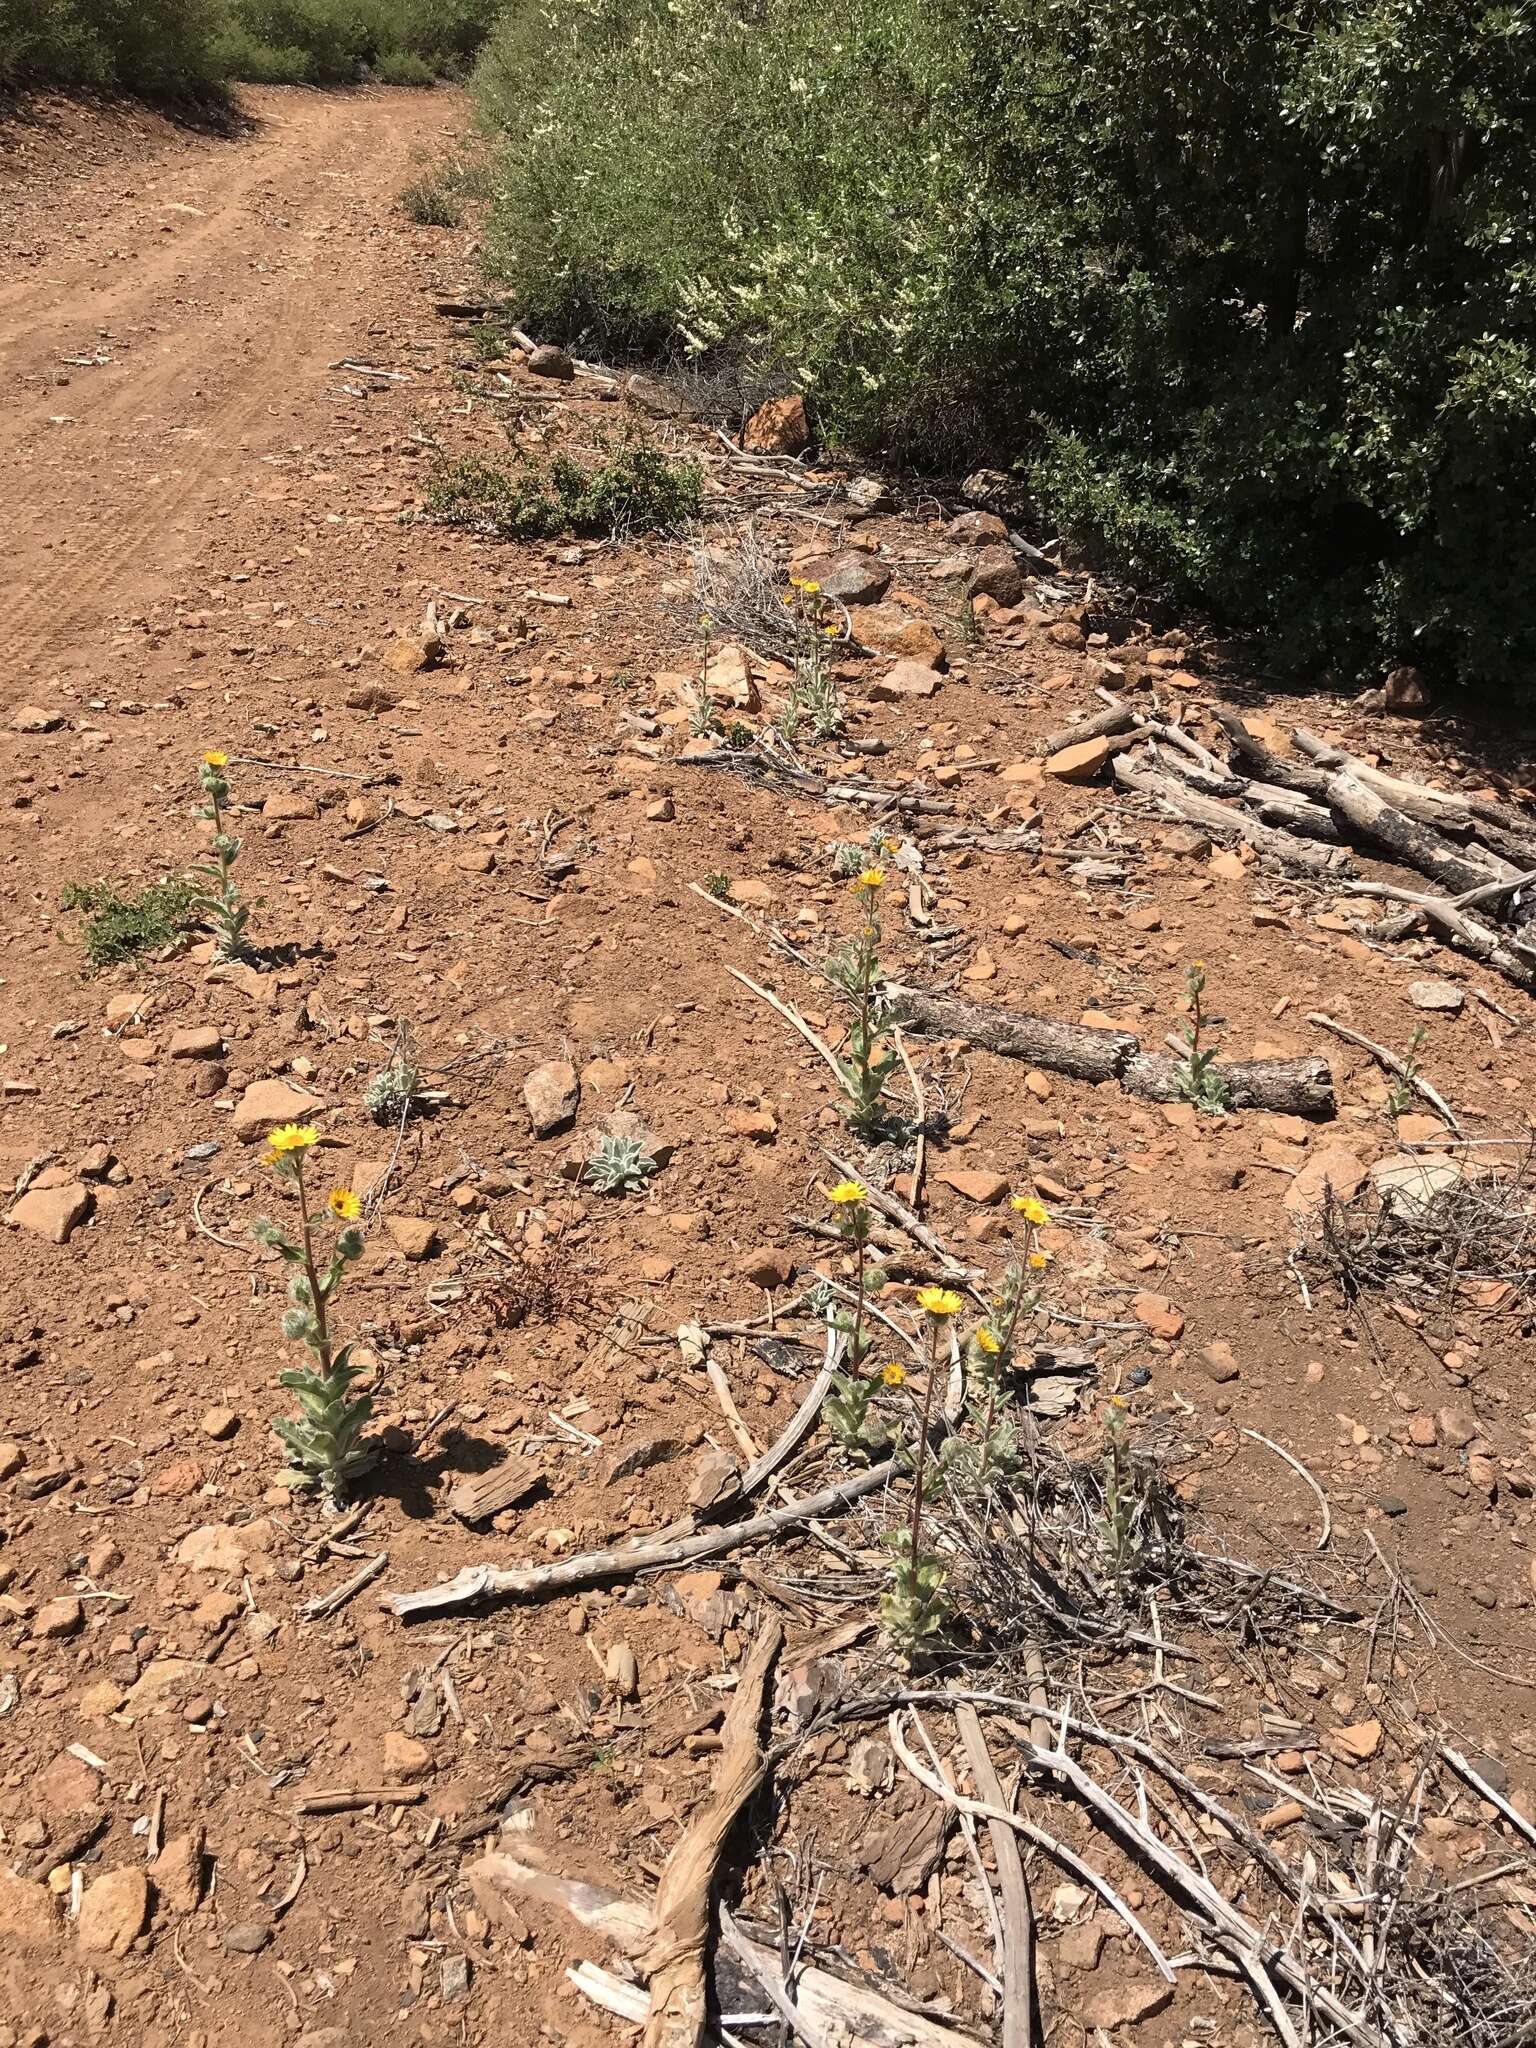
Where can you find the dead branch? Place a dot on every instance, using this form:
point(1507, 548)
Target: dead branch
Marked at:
point(1367, 816)
point(1297, 856)
point(674, 1959)
point(1017, 1961)
point(1401, 1068)
point(1301, 1087)
point(1470, 935)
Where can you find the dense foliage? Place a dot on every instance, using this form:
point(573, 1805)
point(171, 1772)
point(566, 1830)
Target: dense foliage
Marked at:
point(1245, 291)
point(166, 48)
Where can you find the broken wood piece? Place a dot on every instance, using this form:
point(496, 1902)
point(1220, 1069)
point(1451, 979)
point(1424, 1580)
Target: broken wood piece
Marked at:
point(1017, 1961)
point(840, 2011)
point(1299, 1087)
point(1446, 810)
point(484, 1494)
point(674, 1960)
point(1302, 856)
point(1118, 718)
point(1508, 955)
point(1403, 1069)
point(353, 1801)
point(485, 1582)
point(1368, 816)
point(329, 1603)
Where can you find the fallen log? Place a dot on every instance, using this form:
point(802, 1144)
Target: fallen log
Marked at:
point(1449, 810)
point(1088, 1052)
point(1267, 764)
point(1366, 814)
point(1103, 725)
point(1297, 855)
point(1514, 958)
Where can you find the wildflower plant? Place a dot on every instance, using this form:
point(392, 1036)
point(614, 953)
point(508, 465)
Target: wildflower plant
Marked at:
point(218, 900)
point(1120, 1527)
point(1404, 1090)
point(868, 1061)
point(855, 1423)
point(1196, 1073)
point(915, 1612)
point(327, 1447)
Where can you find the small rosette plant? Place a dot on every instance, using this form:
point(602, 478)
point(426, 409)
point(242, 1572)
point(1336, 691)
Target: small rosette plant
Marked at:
point(326, 1443)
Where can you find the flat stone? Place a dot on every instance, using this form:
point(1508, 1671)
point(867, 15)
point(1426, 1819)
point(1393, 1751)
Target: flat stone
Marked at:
point(32, 718)
point(905, 679)
point(1436, 995)
point(246, 1937)
point(1359, 1741)
point(405, 1759)
point(1158, 1314)
point(265, 1104)
point(1127, 2005)
point(287, 804)
point(974, 1184)
point(51, 1212)
point(222, 1547)
point(198, 1042)
point(1079, 762)
point(29, 1918)
point(1336, 1167)
point(113, 1912)
point(414, 1236)
point(219, 1423)
point(552, 1095)
point(58, 1620)
point(164, 1684)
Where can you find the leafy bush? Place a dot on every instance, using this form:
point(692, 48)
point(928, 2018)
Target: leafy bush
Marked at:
point(118, 927)
point(160, 48)
point(1247, 297)
point(633, 489)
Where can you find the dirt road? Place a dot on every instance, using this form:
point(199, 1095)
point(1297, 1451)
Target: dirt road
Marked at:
point(206, 289)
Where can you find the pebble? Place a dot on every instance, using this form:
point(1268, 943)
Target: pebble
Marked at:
point(219, 1423)
point(113, 1912)
point(246, 1937)
point(551, 1095)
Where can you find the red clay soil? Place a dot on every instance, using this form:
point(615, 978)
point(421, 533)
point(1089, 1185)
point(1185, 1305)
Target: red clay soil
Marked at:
point(205, 547)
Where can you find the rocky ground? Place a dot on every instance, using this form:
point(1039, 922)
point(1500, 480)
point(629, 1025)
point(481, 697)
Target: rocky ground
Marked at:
point(504, 849)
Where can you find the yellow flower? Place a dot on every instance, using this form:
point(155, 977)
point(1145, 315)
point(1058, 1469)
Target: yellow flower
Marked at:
point(939, 1302)
point(988, 1341)
point(848, 1191)
point(293, 1138)
point(872, 878)
point(1031, 1208)
point(1118, 1401)
point(805, 584)
point(1038, 1261)
point(215, 760)
point(831, 632)
point(344, 1205)
point(892, 1375)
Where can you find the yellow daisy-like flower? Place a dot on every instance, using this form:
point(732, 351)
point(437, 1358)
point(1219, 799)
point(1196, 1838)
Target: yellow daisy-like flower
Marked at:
point(1031, 1208)
point(344, 1205)
point(1118, 1401)
point(872, 878)
point(293, 1138)
point(848, 1191)
point(214, 759)
point(939, 1302)
point(831, 632)
point(892, 1375)
point(988, 1341)
point(1038, 1261)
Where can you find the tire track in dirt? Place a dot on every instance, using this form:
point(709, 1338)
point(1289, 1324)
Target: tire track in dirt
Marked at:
point(245, 313)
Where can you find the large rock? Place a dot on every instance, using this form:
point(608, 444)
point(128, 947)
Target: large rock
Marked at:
point(852, 578)
point(998, 576)
point(51, 1212)
point(1336, 1168)
point(549, 361)
point(265, 1104)
point(113, 1913)
point(887, 629)
point(781, 427)
point(1079, 762)
point(905, 679)
point(977, 530)
point(552, 1095)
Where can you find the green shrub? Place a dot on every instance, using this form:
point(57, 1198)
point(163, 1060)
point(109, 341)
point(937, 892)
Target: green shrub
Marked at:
point(1247, 297)
point(633, 489)
point(429, 203)
point(159, 48)
point(118, 927)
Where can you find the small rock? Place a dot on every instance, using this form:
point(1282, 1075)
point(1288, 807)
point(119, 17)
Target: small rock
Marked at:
point(1080, 1947)
point(246, 1937)
point(904, 679)
point(622, 1671)
point(113, 1912)
point(1336, 1168)
point(100, 1700)
point(996, 575)
point(177, 1872)
point(414, 1236)
point(12, 1458)
point(549, 361)
point(288, 804)
point(974, 1184)
point(198, 1042)
point(552, 1095)
point(453, 1978)
point(405, 1759)
point(780, 427)
point(1406, 692)
point(1158, 1314)
point(1457, 1427)
point(640, 1457)
point(220, 1547)
point(219, 1423)
point(1218, 1361)
point(33, 719)
point(887, 629)
point(266, 1104)
point(870, 495)
point(57, 1620)
point(767, 1267)
point(53, 1213)
point(852, 578)
point(1079, 762)
point(1436, 995)
point(977, 530)
point(28, 1918)
point(1359, 1741)
point(1392, 1504)
point(1127, 2005)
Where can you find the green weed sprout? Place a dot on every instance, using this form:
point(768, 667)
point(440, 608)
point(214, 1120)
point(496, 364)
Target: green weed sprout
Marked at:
point(1198, 1079)
point(855, 969)
point(219, 900)
point(615, 1165)
point(854, 1422)
point(1120, 1528)
point(1403, 1093)
point(326, 1445)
